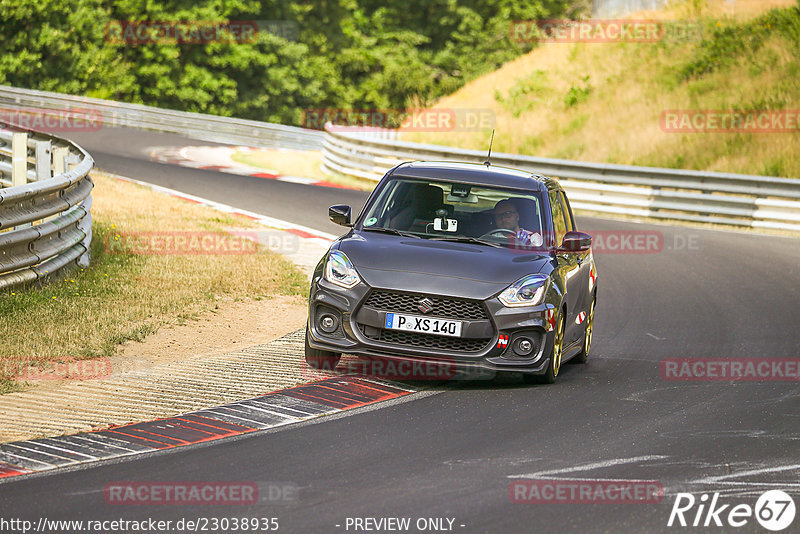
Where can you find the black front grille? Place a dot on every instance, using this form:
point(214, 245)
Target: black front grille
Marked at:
point(429, 341)
point(452, 308)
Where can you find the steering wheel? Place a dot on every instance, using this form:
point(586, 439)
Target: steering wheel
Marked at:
point(500, 232)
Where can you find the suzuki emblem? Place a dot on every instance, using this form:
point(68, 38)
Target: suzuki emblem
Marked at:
point(425, 305)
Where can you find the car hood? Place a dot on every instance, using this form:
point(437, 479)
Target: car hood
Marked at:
point(447, 268)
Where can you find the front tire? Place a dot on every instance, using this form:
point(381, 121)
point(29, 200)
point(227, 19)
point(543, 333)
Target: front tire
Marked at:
point(323, 360)
point(555, 358)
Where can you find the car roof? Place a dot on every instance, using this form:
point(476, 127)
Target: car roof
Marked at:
point(475, 173)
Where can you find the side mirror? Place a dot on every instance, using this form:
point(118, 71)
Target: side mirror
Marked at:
point(340, 214)
point(576, 242)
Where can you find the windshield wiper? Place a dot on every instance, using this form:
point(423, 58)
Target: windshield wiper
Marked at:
point(466, 239)
point(390, 231)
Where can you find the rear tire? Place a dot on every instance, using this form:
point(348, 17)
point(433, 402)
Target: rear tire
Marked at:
point(555, 358)
point(583, 355)
point(323, 360)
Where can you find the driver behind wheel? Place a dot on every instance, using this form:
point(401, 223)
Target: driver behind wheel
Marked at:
point(507, 217)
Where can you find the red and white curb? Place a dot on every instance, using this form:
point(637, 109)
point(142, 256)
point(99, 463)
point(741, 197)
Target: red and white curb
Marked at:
point(283, 407)
point(220, 159)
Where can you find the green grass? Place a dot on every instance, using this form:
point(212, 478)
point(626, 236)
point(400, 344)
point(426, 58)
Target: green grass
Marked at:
point(526, 94)
point(578, 93)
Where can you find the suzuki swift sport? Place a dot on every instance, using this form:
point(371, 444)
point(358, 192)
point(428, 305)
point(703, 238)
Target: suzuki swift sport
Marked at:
point(469, 266)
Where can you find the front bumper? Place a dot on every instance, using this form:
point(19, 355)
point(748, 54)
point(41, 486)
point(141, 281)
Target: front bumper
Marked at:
point(486, 346)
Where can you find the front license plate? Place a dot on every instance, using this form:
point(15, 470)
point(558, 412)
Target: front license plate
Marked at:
point(425, 325)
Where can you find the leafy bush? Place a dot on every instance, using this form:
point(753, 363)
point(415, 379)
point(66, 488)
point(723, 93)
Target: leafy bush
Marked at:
point(725, 45)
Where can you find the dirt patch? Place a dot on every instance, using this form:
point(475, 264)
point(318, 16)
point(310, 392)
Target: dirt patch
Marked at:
point(234, 325)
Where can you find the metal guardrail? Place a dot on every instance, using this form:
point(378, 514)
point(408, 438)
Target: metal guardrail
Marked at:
point(195, 125)
point(706, 197)
point(616, 8)
point(45, 201)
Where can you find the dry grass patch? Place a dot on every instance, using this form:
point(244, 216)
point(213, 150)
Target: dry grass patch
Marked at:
point(124, 297)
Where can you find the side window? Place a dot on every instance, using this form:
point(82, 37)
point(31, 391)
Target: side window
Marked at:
point(382, 205)
point(559, 223)
point(567, 211)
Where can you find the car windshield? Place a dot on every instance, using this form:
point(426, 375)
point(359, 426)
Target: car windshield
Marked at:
point(455, 211)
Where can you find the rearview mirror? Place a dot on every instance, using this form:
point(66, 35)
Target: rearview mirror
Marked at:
point(576, 242)
point(340, 214)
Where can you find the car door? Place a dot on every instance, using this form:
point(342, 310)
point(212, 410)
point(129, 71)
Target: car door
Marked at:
point(584, 263)
point(568, 267)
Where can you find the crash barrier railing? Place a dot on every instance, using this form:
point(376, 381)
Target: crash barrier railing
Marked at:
point(616, 8)
point(705, 197)
point(45, 198)
point(94, 114)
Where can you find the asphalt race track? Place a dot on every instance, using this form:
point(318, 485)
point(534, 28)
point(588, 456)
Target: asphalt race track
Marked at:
point(452, 451)
point(124, 151)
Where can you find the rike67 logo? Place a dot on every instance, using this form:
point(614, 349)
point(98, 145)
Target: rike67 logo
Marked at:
point(774, 510)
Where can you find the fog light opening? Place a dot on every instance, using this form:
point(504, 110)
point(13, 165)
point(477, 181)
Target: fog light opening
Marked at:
point(328, 323)
point(523, 346)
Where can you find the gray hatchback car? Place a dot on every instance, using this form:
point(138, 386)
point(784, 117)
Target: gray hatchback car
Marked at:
point(456, 266)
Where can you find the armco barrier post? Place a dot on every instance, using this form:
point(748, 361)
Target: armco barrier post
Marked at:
point(43, 160)
point(60, 160)
point(19, 159)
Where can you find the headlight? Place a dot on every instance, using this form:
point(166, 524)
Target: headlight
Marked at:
point(527, 291)
point(339, 270)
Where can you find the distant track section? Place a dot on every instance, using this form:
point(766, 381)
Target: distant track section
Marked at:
point(98, 113)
